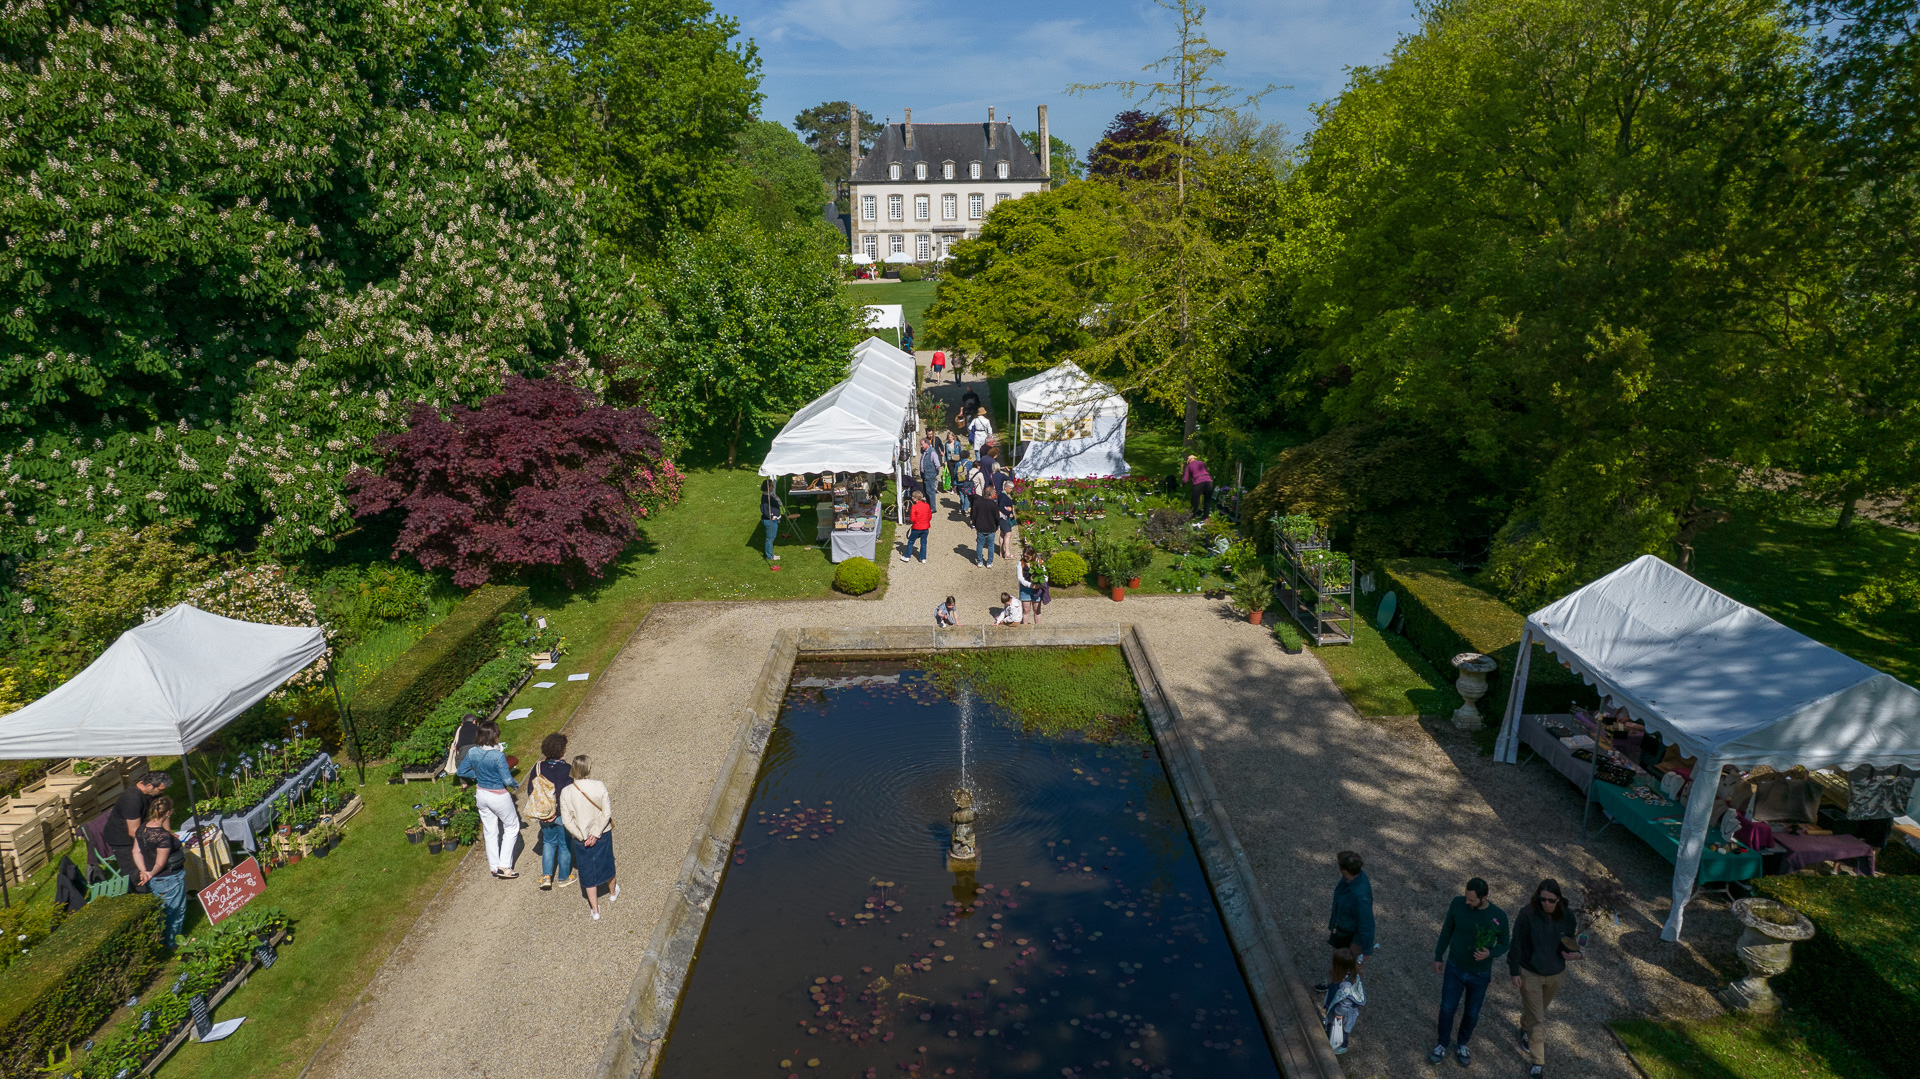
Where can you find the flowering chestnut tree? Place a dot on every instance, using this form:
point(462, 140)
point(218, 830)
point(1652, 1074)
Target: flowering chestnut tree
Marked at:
point(539, 475)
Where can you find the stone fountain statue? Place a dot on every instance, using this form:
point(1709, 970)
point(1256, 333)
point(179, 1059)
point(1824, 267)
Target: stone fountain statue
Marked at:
point(963, 852)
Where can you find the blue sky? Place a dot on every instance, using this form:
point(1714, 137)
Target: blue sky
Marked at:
point(948, 60)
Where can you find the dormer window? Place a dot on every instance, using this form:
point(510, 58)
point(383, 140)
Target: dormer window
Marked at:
point(920, 170)
point(1000, 170)
point(946, 171)
point(973, 171)
point(893, 171)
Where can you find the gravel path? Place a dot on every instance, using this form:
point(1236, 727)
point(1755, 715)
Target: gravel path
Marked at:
point(502, 979)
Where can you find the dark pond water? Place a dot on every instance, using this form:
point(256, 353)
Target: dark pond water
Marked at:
point(840, 944)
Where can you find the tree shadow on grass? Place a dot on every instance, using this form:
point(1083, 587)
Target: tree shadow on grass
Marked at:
point(548, 588)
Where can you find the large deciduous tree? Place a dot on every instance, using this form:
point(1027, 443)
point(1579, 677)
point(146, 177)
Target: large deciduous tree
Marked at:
point(540, 476)
point(639, 101)
point(739, 328)
point(240, 236)
point(1587, 239)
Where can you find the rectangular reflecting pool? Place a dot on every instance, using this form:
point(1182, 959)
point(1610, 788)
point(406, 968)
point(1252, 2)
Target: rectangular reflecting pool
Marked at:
point(1085, 942)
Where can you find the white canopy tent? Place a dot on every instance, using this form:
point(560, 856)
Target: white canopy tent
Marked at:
point(162, 688)
point(1086, 422)
point(885, 316)
point(857, 425)
point(1727, 684)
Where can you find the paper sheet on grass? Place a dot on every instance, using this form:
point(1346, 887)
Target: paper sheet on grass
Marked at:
point(223, 1028)
point(576, 678)
point(519, 713)
point(544, 685)
point(547, 666)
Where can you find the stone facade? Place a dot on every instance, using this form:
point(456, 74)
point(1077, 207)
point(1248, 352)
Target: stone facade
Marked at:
point(924, 187)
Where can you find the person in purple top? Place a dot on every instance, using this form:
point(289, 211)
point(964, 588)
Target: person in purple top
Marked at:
point(1200, 485)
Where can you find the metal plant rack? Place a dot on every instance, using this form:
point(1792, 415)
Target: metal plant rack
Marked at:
point(1324, 610)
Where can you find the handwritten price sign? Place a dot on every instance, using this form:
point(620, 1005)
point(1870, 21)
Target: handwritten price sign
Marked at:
point(233, 891)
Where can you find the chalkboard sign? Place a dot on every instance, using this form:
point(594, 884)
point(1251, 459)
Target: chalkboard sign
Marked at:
point(265, 955)
point(202, 1018)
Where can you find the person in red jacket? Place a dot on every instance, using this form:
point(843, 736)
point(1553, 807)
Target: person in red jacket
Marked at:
point(919, 520)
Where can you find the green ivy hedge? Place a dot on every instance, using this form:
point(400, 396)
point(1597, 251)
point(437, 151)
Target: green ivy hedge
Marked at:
point(1445, 614)
point(54, 998)
point(400, 697)
point(1861, 970)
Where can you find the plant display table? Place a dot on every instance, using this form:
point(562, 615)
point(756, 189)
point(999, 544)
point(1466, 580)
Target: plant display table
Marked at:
point(1657, 823)
point(244, 828)
point(1315, 582)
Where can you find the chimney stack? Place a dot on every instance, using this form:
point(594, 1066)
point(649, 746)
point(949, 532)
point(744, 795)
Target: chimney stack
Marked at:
point(1046, 145)
point(909, 129)
point(989, 127)
point(853, 137)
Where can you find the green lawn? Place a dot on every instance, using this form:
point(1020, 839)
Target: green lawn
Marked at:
point(913, 297)
point(1382, 675)
point(1797, 567)
point(353, 908)
point(1742, 1047)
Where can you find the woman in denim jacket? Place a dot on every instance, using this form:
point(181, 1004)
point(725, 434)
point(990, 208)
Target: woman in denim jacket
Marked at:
point(486, 765)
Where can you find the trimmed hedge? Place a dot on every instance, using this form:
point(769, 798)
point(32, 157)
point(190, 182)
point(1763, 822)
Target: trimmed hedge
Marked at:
point(856, 576)
point(398, 698)
point(428, 742)
point(1861, 970)
point(56, 997)
point(1066, 567)
point(1445, 614)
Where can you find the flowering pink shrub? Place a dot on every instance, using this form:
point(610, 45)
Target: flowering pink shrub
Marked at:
point(541, 474)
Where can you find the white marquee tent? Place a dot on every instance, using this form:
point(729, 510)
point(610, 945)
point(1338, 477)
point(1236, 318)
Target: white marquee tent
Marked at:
point(162, 688)
point(857, 425)
point(1068, 402)
point(1724, 682)
point(885, 316)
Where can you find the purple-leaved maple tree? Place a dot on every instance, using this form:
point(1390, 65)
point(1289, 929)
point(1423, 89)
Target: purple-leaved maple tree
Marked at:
point(540, 475)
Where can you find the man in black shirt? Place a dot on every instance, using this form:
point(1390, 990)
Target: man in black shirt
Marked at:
point(128, 814)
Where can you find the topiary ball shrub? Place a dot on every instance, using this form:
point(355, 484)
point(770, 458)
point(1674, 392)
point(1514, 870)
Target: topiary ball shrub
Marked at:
point(856, 576)
point(1066, 567)
point(911, 273)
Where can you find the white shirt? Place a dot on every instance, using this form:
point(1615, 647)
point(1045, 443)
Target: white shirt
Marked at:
point(980, 429)
point(1009, 615)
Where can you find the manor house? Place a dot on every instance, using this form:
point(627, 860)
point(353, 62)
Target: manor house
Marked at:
point(925, 186)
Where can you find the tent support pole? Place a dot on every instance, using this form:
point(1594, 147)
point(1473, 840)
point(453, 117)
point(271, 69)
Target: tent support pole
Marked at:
point(1506, 748)
point(346, 720)
point(199, 826)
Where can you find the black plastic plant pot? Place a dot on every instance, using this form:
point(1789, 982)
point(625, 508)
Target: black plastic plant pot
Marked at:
point(452, 843)
point(322, 850)
point(395, 781)
point(433, 846)
point(416, 837)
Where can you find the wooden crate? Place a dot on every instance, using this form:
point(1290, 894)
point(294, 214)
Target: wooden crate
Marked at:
point(23, 842)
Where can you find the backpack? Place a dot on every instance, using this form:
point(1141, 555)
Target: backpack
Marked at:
point(541, 804)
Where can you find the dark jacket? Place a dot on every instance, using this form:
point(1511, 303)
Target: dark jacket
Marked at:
point(558, 773)
point(1460, 935)
point(1536, 942)
point(1353, 911)
point(986, 515)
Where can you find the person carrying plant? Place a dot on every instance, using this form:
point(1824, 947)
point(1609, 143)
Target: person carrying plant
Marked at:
point(587, 812)
point(161, 866)
point(545, 781)
point(486, 765)
point(1031, 573)
point(1544, 938)
point(1473, 934)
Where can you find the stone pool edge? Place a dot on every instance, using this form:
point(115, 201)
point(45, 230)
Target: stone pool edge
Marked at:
point(1286, 1010)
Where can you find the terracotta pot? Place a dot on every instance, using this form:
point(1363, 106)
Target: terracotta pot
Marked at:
point(1104, 585)
point(1119, 593)
point(1254, 616)
point(1133, 582)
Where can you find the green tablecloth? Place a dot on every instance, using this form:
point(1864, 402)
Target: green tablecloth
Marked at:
point(1659, 828)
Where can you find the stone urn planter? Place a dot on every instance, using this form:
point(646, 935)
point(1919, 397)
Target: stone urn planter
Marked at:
point(1766, 948)
point(1472, 685)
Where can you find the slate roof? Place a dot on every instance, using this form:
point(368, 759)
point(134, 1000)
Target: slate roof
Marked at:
point(939, 143)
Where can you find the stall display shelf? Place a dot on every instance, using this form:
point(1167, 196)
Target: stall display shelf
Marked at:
point(1318, 596)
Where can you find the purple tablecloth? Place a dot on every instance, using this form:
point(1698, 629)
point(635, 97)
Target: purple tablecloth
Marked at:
point(1806, 850)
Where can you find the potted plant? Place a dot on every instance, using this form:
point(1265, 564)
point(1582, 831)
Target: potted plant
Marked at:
point(1253, 590)
point(318, 836)
point(436, 840)
point(416, 833)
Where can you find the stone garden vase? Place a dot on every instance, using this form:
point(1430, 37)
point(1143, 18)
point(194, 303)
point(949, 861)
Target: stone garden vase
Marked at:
point(1472, 685)
point(1766, 948)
